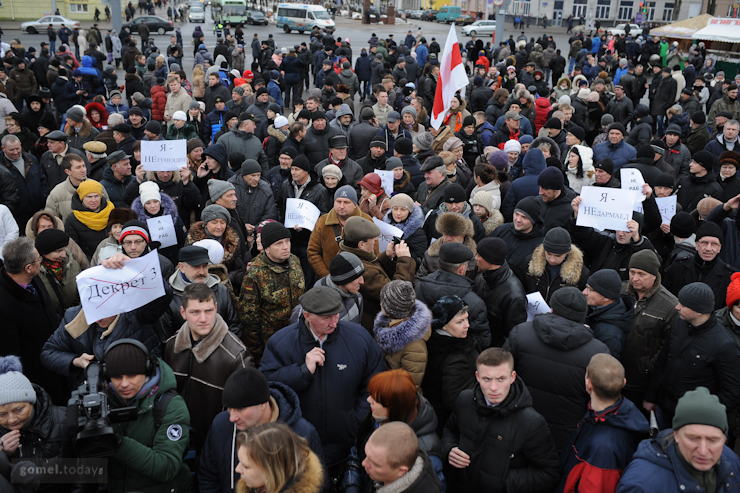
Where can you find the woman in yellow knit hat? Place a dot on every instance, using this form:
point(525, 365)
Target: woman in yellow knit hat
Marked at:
point(89, 219)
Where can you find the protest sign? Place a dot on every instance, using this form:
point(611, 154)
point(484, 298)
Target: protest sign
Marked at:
point(107, 292)
point(301, 213)
point(536, 304)
point(162, 229)
point(386, 180)
point(164, 155)
point(605, 208)
point(387, 232)
point(667, 208)
point(631, 179)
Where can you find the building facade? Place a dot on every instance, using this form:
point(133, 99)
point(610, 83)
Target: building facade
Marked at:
point(25, 10)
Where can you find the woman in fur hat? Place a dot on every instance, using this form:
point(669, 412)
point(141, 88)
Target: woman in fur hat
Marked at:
point(98, 115)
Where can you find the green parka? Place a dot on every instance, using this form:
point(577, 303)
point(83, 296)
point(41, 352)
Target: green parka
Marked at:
point(63, 294)
point(187, 132)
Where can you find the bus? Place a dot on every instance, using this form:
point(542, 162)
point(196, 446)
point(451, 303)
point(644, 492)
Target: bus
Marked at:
point(233, 12)
point(302, 17)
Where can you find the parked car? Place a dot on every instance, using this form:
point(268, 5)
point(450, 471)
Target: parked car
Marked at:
point(479, 27)
point(618, 30)
point(465, 19)
point(256, 17)
point(429, 15)
point(196, 14)
point(155, 24)
point(40, 25)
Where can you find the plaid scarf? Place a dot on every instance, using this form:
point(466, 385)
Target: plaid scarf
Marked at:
point(54, 267)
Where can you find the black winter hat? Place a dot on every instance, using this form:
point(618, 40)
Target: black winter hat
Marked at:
point(570, 303)
point(125, 359)
point(455, 253)
point(50, 240)
point(403, 146)
point(551, 178)
point(273, 232)
point(606, 282)
point(557, 241)
point(445, 310)
point(530, 207)
point(665, 180)
point(577, 132)
point(345, 268)
point(493, 250)
point(617, 126)
point(705, 159)
point(683, 225)
point(646, 260)
point(301, 161)
point(605, 164)
point(246, 387)
point(709, 228)
point(697, 296)
point(454, 193)
point(699, 117)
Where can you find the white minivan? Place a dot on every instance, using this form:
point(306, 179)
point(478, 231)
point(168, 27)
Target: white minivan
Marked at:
point(302, 17)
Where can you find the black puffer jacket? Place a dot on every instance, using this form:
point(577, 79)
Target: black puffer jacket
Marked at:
point(519, 245)
point(558, 212)
point(551, 354)
point(450, 370)
point(505, 299)
point(509, 445)
point(716, 274)
point(611, 323)
point(692, 189)
point(431, 288)
point(696, 356)
point(317, 143)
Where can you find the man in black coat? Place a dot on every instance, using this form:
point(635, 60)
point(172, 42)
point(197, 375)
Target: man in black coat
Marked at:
point(705, 265)
point(552, 353)
point(500, 406)
point(664, 97)
point(500, 289)
point(554, 199)
point(699, 352)
point(701, 182)
point(524, 234)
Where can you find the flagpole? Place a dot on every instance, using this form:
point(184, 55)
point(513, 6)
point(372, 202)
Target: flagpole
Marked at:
point(452, 77)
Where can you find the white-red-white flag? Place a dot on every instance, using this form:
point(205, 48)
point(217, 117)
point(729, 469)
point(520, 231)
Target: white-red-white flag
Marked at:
point(452, 78)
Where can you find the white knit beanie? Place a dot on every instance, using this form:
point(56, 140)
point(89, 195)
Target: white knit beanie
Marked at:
point(14, 385)
point(149, 190)
point(484, 199)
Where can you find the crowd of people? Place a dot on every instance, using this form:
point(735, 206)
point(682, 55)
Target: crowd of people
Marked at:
point(333, 357)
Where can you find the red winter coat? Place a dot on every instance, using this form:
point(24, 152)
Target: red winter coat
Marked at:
point(159, 101)
point(542, 108)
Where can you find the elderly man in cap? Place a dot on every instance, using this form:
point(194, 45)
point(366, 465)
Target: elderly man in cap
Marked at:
point(451, 278)
point(610, 313)
point(551, 353)
point(28, 180)
point(347, 356)
point(250, 401)
point(430, 194)
point(203, 354)
point(329, 230)
point(692, 456)
point(96, 153)
point(124, 139)
point(193, 269)
point(654, 312)
point(338, 156)
point(454, 200)
point(711, 360)
point(375, 158)
point(318, 138)
point(117, 176)
point(59, 200)
point(51, 160)
point(346, 276)
point(79, 129)
point(270, 288)
point(254, 199)
point(361, 239)
point(392, 131)
point(241, 139)
point(615, 148)
point(362, 134)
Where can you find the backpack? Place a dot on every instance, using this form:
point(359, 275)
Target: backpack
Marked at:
point(159, 411)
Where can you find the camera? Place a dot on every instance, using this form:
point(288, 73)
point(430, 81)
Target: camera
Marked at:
point(396, 240)
point(89, 417)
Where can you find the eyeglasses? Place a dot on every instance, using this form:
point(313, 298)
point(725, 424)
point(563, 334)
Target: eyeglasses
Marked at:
point(38, 260)
point(133, 242)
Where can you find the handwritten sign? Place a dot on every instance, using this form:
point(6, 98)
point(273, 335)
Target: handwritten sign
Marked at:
point(536, 304)
point(301, 213)
point(605, 208)
point(107, 292)
point(386, 180)
point(164, 155)
point(162, 229)
point(387, 232)
point(632, 180)
point(666, 206)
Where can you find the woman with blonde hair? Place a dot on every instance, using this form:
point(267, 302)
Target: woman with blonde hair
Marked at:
point(199, 82)
point(273, 459)
point(161, 67)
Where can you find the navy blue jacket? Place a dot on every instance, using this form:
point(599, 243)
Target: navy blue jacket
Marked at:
point(657, 467)
point(612, 323)
point(116, 189)
point(364, 68)
point(293, 68)
point(620, 154)
point(67, 343)
point(218, 458)
point(334, 397)
point(526, 185)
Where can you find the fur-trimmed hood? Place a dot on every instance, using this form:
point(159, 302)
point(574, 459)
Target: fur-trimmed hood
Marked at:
point(85, 129)
point(554, 148)
point(393, 335)
point(495, 220)
point(32, 223)
point(168, 206)
point(570, 270)
point(278, 134)
point(410, 225)
point(310, 482)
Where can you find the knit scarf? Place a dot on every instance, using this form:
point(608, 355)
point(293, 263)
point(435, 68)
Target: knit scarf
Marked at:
point(706, 479)
point(211, 236)
point(97, 221)
point(54, 267)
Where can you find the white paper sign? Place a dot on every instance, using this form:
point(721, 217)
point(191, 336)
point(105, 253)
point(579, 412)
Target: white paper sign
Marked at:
point(107, 292)
point(536, 304)
point(164, 155)
point(605, 208)
point(387, 232)
point(162, 229)
point(631, 179)
point(666, 206)
point(301, 213)
point(386, 180)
